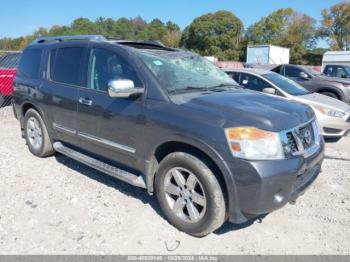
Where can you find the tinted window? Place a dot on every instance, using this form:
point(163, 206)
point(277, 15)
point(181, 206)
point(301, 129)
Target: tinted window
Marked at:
point(277, 69)
point(234, 75)
point(336, 71)
point(65, 65)
point(253, 83)
point(29, 64)
point(10, 61)
point(106, 65)
point(291, 71)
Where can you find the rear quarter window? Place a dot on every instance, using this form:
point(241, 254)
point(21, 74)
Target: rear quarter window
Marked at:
point(29, 64)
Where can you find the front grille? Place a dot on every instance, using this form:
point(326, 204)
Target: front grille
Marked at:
point(301, 140)
point(307, 136)
point(292, 143)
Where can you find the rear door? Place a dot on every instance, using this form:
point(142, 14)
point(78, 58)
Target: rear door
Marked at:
point(108, 126)
point(64, 79)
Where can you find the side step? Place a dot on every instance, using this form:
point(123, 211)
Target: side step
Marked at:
point(99, 165)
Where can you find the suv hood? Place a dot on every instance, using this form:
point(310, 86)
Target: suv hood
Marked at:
point(322, 100)
point(247, 108)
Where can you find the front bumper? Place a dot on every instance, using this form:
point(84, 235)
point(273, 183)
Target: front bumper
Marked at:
point(334, 126)
point(264, 186)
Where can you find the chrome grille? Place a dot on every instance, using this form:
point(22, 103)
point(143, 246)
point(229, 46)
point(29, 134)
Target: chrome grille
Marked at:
point(301, 140)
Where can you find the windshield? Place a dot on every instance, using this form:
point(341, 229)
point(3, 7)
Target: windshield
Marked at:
point(347, 69)
point(287, 85)
point(185, 71)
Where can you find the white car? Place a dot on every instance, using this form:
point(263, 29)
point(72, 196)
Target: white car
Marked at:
point(332, 114)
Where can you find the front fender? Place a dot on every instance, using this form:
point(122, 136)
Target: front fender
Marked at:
point(231, 189)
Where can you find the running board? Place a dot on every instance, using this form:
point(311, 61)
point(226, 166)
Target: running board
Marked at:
point(99, 165)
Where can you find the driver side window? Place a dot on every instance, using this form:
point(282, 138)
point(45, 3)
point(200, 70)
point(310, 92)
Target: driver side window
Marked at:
point(106, 65)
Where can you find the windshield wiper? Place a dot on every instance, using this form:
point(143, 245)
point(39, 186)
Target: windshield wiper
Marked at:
point(220, 87)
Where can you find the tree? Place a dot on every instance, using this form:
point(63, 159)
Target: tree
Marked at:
point(286, 28)
point(336, 26)
point(216, 34)
point(82, 26)
point(271, 29)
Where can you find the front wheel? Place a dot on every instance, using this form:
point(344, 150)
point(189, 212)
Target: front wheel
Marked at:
point(189, 194)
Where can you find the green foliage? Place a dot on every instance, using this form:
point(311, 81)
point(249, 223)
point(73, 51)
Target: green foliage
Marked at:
point(336, 26)
point(286, 28)
point(215, 34)
point(218, 34)
point(123, 28)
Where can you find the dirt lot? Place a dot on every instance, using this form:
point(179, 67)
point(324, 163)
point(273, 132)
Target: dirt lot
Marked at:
point(58, 206)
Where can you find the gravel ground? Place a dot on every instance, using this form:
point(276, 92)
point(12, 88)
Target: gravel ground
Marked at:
point(59, 206)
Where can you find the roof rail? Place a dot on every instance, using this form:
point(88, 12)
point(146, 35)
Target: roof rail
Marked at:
point(150, 43)
point(48, 39)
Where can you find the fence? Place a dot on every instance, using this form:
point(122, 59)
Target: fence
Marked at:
point(8, 64)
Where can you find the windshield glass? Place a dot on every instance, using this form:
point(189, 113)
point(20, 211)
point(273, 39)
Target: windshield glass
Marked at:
point(185, 71)
point(287, 85)
point(347, 69)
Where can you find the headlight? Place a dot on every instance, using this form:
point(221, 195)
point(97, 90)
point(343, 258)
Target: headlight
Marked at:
point(254, 144)
point(330, 112)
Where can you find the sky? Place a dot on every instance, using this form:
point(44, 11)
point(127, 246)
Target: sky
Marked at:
point(19, 17)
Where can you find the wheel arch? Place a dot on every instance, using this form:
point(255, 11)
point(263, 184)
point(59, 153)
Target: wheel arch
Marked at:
point(339, 93)
point(204, 151)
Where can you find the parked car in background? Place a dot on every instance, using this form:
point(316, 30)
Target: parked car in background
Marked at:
point(336, 58)
point(333, 115)
point(8, 65)
point(169, 121)
point(340, 71)
point(316, 82)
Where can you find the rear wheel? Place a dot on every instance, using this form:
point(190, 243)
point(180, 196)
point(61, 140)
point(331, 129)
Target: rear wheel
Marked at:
point(36, 135)
point(190, 194)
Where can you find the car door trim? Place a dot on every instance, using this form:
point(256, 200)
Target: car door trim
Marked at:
point(64, 129)
point(107, 142)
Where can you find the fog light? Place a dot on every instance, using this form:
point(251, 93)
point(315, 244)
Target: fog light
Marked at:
point(278, 197)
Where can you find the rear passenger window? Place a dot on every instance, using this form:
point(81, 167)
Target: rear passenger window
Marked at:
point(65, 65)
point(30, 64)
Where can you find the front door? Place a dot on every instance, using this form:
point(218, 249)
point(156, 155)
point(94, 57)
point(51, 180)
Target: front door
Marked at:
point(109, 126)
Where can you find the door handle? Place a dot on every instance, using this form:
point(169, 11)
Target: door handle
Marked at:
point(85, 101)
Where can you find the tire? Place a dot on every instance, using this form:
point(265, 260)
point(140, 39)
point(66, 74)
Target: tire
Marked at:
point(34, 132)
point(331, 94)
point(206, 196)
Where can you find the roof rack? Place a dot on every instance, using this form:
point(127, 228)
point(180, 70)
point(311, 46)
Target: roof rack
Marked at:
point(48, 39)
point(146, 43)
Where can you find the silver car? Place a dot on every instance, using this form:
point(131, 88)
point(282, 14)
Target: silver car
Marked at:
point(333, 115)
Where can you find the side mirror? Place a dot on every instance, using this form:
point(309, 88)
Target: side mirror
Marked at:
point(122, 88)
point(303, 75)
point(269, 91)
point(345, 76)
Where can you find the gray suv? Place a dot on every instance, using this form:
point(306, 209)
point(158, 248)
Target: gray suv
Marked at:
point(169, 121)
point(317, 82)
